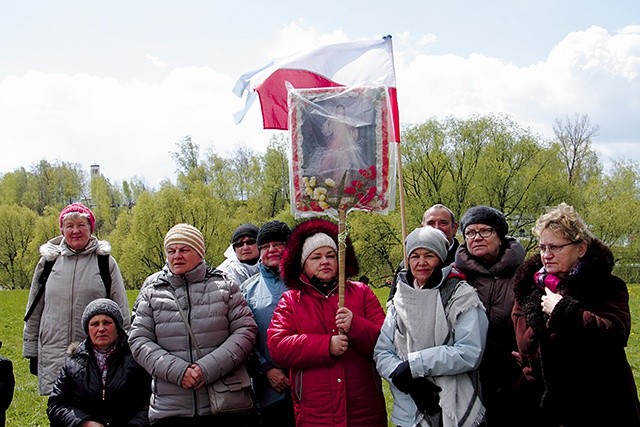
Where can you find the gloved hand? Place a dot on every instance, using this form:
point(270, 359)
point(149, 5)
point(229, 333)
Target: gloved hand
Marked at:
point(425, 395)
point(401, 377)
point(33, 365)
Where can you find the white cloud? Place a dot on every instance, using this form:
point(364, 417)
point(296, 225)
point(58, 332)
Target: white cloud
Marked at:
point(130, 127)
point(157, 61)
point(590, 72)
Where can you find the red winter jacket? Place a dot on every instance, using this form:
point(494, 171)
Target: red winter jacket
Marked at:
point(329, 391)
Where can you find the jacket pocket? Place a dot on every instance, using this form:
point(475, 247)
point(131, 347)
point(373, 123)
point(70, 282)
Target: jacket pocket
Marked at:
point(297, 386)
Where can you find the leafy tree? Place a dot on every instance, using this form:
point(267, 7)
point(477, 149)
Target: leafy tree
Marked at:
point(612, 202)
point(574, 136)
point(189, 170)
point(105, 204)
point(245, 165)
point(54, 185)
point(132, 189)
point(274, 185)
point(377, 240)
point(44, 185)
point(220, 177)
point(139, 236)
point(13, 185)
point(16, 231)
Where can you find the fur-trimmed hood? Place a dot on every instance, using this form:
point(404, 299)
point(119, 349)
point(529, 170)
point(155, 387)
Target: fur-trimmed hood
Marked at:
point(290, 267)
point(57, 246)
point(75, 345)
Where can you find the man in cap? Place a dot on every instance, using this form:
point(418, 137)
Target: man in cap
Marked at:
point(242, 255)
point(262, 292)
point(223, 330)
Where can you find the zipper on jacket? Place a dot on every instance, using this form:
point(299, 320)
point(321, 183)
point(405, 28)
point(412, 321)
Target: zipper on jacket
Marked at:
point(196, 406)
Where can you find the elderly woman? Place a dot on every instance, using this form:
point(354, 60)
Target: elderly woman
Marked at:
point(191, 328)
point(74, 269)
point(327, 350)
point(100, 384)
point(572, 324)
point(432, 339)
point(489, 259)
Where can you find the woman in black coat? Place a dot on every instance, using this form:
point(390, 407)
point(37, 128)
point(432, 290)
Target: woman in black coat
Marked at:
point(100, 383)
point(572, 324)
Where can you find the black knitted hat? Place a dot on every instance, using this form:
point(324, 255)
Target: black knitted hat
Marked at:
point(273, 231)
point(488, 216)
point(248, 230)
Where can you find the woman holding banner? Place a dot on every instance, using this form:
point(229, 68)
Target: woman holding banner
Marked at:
point(328, 350)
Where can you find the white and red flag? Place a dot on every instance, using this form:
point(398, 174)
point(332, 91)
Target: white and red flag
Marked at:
point(336, 65)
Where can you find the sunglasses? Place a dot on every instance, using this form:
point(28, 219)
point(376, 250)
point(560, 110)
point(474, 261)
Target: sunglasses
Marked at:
point(238, 245)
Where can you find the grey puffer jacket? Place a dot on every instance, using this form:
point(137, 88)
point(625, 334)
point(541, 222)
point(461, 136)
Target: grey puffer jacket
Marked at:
point(160, 342)
point(73, 283)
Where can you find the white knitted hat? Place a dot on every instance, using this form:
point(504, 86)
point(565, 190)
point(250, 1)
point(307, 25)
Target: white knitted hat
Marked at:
point(314, 242)
point(185, 234)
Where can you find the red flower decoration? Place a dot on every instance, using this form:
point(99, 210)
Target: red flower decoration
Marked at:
point(369, 173)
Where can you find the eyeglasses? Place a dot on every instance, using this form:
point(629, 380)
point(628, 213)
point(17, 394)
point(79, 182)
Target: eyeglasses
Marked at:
point(484, 233)
point(238, 245)
point(554, 249)
point(272, 245)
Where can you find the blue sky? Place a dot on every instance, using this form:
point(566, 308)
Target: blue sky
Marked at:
point(119, 83)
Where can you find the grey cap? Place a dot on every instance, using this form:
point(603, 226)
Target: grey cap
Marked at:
point(101, 306)
point(428, 238)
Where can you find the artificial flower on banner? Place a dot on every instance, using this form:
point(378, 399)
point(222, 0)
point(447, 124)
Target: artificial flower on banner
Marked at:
point(342, 155)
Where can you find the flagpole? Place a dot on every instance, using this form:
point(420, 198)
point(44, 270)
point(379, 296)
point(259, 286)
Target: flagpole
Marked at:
point(403, 214)
point(342, 245)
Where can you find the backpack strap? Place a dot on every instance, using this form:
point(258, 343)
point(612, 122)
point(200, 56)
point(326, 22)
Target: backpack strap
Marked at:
point(42, 281)
point(448, 289)
point(105, 275)
point(446, 292)
point(103, 266)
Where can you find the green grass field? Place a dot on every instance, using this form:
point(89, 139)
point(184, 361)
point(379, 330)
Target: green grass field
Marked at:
point(28, 409)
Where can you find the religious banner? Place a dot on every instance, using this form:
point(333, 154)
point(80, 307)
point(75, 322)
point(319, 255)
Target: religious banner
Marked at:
point(342, 155)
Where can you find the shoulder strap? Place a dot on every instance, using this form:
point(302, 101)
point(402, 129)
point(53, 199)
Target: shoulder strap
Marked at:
point(448, 289)
point(42, 281)
point(103, 266)
point(105, 275)
point(446, 292)
point(188, 325)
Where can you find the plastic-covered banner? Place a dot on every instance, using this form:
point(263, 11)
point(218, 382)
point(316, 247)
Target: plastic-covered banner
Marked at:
point(342, 154)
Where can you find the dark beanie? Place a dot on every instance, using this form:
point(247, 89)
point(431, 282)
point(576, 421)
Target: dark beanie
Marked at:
point(488, 216)
point(248, 230)
point(101, 306)
point(273, 231)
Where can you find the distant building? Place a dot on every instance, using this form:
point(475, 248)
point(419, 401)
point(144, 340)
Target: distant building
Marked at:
point(95, 171)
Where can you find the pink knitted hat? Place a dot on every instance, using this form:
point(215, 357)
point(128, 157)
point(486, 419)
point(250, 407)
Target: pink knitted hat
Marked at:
point(81, 209)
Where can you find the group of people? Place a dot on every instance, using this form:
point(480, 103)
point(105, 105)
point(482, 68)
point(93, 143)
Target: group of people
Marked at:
point(473, 334)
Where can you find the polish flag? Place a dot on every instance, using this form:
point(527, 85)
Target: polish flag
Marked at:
point(342, 64)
